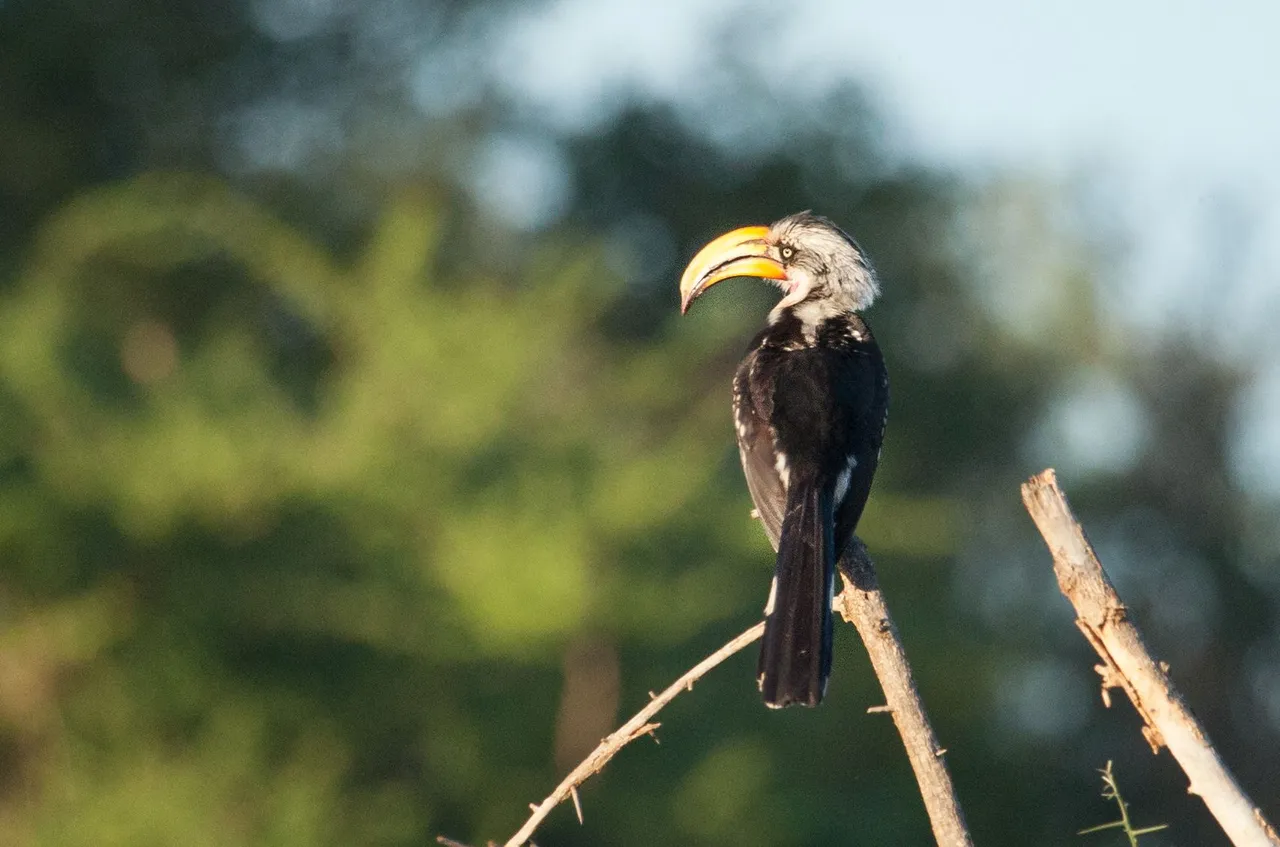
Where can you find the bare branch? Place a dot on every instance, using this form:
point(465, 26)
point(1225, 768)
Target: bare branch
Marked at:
point(631, 730)
point(1127, 665)
point(862, 604)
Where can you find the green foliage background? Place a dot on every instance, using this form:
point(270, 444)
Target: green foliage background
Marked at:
point(334, 510)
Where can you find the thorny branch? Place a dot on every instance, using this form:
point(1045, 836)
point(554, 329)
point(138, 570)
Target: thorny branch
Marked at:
point(639, 725)
point(861, 604)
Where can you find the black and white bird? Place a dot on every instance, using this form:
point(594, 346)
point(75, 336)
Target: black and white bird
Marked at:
point(810, 401)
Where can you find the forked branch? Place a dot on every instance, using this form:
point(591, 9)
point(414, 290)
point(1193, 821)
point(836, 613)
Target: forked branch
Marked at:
point(860, 603)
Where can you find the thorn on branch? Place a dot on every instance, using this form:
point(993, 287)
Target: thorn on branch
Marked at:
point(1111, 678)
point(644, 729)
point(1154, 738)
point(577, 803)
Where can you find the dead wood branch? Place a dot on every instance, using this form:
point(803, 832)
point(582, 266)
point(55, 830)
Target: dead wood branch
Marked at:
point(1126, 664)
point(638, 726)
point(862, 604)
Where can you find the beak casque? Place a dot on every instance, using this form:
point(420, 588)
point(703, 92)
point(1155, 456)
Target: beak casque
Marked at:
point(743, 252)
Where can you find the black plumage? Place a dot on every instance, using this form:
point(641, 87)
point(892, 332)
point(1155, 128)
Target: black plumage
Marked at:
point(810, 404)
point(810, 419)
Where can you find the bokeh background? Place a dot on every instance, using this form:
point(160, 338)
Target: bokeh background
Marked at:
point(357, 474)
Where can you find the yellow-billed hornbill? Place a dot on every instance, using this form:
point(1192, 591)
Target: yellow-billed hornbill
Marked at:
point(810, 402)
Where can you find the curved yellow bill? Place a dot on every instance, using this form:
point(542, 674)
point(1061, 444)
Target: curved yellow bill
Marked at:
point(743, 252)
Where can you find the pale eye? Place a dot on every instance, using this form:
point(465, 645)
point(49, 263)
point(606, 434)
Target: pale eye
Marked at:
point(787, 252)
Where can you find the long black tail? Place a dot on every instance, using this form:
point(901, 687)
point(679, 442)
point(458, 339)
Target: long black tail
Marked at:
point(795, 654)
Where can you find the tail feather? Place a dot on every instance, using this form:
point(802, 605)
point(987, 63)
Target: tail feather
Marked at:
point(795, 653)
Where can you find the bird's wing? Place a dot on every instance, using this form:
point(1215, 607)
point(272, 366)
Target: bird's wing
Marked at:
point(861, 398)
point(759, 461)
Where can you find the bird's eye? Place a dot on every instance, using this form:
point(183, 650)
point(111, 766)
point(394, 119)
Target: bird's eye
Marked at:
point(787, 252)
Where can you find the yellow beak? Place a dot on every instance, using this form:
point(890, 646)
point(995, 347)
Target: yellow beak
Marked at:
point(743, 252)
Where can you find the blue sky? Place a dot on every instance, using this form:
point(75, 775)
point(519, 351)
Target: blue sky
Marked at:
point(1167, 85)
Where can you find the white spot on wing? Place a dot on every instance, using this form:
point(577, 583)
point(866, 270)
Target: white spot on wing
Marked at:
point(843, 479)
point(784, 472)
point(739, 419)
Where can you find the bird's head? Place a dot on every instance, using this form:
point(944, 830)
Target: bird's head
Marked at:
point(816, 264)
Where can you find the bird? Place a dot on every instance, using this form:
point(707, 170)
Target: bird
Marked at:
point(810, 404)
